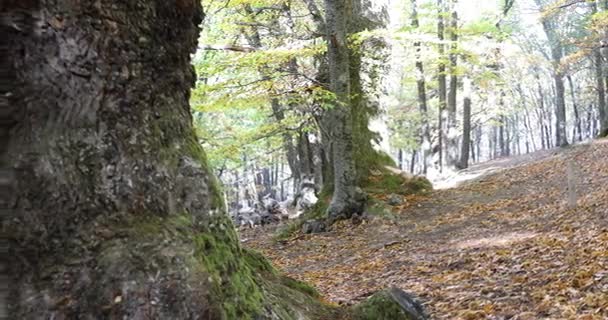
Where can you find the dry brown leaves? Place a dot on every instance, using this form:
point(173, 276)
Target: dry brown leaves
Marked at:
point(505, 247)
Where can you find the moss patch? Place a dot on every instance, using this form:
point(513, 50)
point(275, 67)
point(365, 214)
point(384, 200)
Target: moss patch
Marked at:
point(380, 306)
point(232, 273)
point(300, 286)
point(258, 262)
point(388, 183)
point(368, 159)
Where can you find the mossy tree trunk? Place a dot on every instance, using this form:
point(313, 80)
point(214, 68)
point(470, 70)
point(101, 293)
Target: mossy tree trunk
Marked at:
point(113, 211)
point(344, 200)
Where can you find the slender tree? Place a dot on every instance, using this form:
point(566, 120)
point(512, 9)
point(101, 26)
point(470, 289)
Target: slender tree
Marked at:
point(452, 136)
point(466, 126)
point(551, 28)
point(441, 79)
point(599, 80)
point(421, 97)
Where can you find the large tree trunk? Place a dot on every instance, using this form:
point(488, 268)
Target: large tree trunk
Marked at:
point(422, 99)
point(114, 213)
point(345, 200)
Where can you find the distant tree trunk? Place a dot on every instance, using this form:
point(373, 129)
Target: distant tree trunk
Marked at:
point(600, 84)
point(345, 200)
point(466, 127)
point(290, 150)
point(441, 79)
point(492, 153)
point(304, 156)
point(544, 122)
point(502, 141)
point(413, 162)
point(452, 141)
point(473, 146)
point(508, 136)
point(577, 125)
point(542, 131)
point(317, 160)
point(550, 28)
point(282, 182)
point(422, 99)
point(237, 190)
point(254, 39)
point(560, 112)
point(530, 134)
point(501, 136)
point(515, 126)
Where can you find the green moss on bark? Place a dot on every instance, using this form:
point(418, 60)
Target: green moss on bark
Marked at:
point(388, 182)
point(382, 306)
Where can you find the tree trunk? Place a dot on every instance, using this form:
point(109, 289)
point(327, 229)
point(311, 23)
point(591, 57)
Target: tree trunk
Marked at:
point(560, 111)
point(422, 100)
point(452, 142)
point(466, 127)
point(345, 200)
point(413, 161)
point(577, 119)
point(560, 102)
point(114, 213)
point(600, 84)
point(441, 79)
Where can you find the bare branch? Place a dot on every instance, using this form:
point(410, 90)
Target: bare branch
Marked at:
point(227, 47)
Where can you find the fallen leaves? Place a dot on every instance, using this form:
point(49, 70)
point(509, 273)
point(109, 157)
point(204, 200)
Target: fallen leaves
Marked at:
point(505, 247)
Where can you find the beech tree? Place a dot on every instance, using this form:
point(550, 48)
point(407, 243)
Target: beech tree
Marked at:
point(114, 211)
point(344, 200)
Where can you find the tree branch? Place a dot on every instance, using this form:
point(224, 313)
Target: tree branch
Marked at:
point(227, 47)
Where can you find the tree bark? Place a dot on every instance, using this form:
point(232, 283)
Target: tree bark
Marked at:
point(452, 141)
point(441, 79)
point(600, 84)
point(422, 99)
point(344, 200)
point(114, 212)
point(560, 102)
point(466, 128)
point(578, 131)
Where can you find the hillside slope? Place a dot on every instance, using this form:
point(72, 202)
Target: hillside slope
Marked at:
point(506, 245)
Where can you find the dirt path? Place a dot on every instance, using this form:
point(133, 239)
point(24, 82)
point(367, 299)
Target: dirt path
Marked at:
point(504, 246)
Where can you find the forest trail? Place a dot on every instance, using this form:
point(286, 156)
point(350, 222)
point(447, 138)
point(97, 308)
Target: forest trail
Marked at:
point(505, 245)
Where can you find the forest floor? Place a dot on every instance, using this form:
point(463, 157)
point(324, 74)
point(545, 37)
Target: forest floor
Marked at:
point(505, 245)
